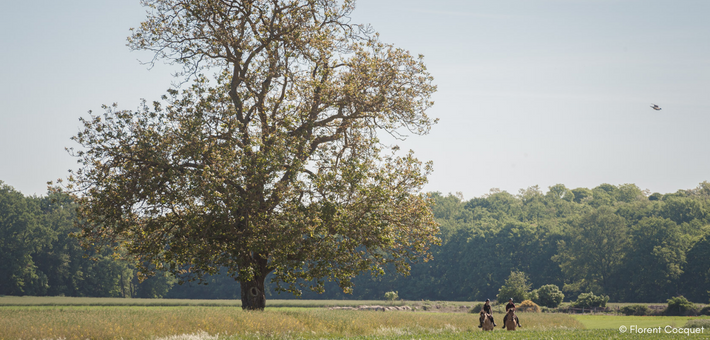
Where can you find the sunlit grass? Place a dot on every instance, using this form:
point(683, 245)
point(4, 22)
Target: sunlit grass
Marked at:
point(615, 321)
point(213, 323)
point(583, 334)
point(78, 322)
point(156, 319)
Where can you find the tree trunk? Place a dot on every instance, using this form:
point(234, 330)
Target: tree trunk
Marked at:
point(253, 297)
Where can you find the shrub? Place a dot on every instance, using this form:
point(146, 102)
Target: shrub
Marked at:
point(705, 311)
point(679, 305)
point(697, 323)
point(587, 300)
point(533, 295)
point(391, 296)
point(548, 296)
point(516, 286)
point(476, 309)
point(528, 306)
point(635, 310)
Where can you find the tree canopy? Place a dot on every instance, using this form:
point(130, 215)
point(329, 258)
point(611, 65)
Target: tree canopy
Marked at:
point(274, 164)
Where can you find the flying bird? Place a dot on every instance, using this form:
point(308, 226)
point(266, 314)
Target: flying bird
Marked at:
point(655, 107)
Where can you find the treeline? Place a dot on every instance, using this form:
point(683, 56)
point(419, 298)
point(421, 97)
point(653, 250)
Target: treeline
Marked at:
point(613, 240)
point(39, 257)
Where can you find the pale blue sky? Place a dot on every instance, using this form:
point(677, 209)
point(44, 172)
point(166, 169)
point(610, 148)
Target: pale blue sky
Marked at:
point(530, 92)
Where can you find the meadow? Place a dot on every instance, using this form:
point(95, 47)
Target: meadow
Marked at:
point(137, 322)
point(191, 321)
point(616, 321)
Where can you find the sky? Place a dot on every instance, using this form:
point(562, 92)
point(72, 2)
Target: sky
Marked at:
point(530, 92)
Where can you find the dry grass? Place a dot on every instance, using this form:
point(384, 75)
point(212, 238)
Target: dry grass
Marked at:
point(208, 322)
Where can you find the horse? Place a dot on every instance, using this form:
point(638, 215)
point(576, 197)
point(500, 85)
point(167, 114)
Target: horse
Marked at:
point(486, 321)
point(511, 321)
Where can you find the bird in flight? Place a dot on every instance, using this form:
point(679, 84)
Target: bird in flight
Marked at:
point(655, 107)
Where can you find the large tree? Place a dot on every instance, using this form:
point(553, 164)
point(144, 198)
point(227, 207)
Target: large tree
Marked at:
point(21, 235)
point(593, 250)
point(654, 259)
point(271, 166)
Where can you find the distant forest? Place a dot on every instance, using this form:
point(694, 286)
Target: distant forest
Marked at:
point(615, 240)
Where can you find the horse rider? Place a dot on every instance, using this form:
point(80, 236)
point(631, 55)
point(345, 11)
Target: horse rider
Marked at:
point(510, 305)
point(487, 309)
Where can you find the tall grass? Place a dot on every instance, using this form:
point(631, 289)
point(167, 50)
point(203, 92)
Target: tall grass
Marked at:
point(584, 334)
point(696, 323)
point(208, 322)
point(615, 321)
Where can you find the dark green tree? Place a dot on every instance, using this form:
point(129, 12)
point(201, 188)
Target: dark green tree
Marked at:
point(593, 250)
point(683, 209)
point(629, 193)
point(695, 280)
point(582, 194)
point(654, 259)
point(21, 235)
point(603, 195)
point(156, 286)
point(559, 201)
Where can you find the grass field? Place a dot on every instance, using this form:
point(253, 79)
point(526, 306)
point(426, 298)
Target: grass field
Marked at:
point(73, 318)
point(616, 321)
point(135, 322)
point(202, 323)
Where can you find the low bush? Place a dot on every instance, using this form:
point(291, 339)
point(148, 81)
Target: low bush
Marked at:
point(516, 286)
point(635, 310)
point(528, 306)
point(532, 295)
point(476, 309)
point(548, 296)
point(391, 296)
point(679, 305)
point(587, 300)
point(697, 323)
point(705, 311)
